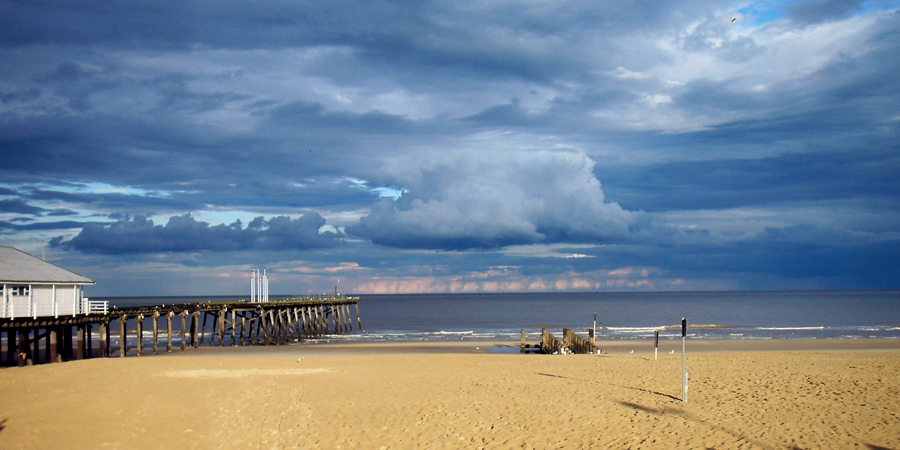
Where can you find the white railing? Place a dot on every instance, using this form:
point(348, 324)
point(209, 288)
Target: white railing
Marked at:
point(94, 306)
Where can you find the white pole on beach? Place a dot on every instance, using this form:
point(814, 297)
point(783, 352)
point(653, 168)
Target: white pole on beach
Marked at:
point(655, 344)
point(684, 375)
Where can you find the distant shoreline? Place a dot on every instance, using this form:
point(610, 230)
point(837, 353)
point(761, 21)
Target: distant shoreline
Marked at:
point(642, 348)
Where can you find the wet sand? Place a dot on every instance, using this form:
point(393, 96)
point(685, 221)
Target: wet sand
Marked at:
point(768, 394)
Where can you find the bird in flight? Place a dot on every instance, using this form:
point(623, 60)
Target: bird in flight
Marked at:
point(733, 19)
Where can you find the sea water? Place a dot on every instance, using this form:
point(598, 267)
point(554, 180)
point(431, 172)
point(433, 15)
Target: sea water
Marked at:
point(619, 315)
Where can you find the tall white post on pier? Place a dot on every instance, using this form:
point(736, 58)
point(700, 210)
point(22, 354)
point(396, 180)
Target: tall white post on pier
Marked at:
point(259, 285)
point(265, 284)
point(253, 285)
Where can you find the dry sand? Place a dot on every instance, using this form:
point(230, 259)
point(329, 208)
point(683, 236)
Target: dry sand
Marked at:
point(746, 394)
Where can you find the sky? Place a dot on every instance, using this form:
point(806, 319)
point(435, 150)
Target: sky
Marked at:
point(165, 148)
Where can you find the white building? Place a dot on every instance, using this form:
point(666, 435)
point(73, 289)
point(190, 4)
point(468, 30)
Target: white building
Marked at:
point(35, 288)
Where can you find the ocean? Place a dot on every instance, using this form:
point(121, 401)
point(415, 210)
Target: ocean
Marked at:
point(619, 315)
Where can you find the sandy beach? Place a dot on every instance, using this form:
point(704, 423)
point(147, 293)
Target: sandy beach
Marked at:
point(788, 394)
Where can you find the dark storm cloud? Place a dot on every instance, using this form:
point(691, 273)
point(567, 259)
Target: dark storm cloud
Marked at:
point(494, 123)
point(19, 206)
point(722, 184)
point(316, 116)
point(61, 225)
point(22, 95)
point(186, 234)
point(62, 212)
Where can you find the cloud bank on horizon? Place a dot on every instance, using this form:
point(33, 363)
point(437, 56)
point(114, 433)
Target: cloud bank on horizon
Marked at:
point(165, 148)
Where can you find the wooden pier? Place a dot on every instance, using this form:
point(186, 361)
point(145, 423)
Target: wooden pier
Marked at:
point(216, 324)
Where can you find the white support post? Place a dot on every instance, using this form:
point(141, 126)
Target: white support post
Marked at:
point(31, 305)
point(55, 305)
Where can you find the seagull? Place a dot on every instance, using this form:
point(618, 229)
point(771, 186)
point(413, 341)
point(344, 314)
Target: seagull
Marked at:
point(631, 351)
point(671, 352)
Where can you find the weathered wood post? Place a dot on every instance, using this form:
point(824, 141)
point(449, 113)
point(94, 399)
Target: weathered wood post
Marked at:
point(54, 345)
point(46, 338)
point(334, 319)
point(253, 332)
point(304, 322)
point(233, 327)
point(289, 322)
point(123, 341)
point(221, 319)
point(63, 346)
point(358, 321)
point(169, 331)
point(241, 329)
point(183, 315)
point(104, 328)
point(108, 337)
point(11, 347)
point(203, 327)
point(139, 331)
point(274, 322)
point(347, 316)
point(195, 319)
point(155, 317)
point(24, 354)
point(262, 328)
point(301, 321)
point(89, 332)
point(522, 341)
point(79, 353)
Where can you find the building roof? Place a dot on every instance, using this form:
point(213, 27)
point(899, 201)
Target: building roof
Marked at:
point(17, 266)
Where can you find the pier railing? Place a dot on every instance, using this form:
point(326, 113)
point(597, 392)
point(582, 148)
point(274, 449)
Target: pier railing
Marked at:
point(94, 306)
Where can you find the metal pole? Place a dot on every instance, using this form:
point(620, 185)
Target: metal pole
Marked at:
point(656, 345)
point(684, 380)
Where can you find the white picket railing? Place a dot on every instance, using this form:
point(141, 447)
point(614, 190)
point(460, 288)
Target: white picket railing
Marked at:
point(94, 306)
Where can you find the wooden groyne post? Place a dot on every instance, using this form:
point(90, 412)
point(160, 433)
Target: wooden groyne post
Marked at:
point(571, 343)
